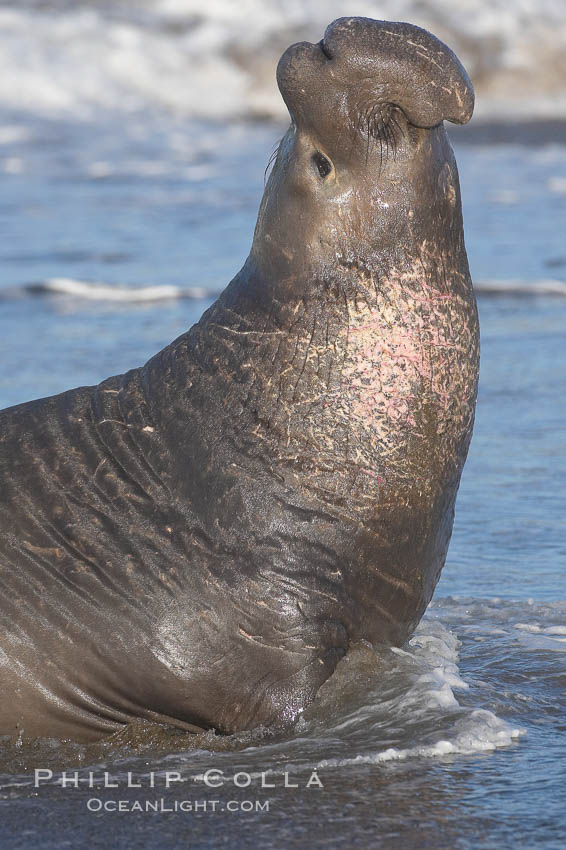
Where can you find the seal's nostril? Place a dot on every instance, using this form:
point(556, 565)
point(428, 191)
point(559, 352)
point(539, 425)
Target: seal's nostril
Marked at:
point(325, 49)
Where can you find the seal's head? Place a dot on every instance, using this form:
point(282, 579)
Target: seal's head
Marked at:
point(366, 156)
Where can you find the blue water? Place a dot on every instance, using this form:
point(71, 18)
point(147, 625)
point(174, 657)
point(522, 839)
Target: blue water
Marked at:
point(456, 742)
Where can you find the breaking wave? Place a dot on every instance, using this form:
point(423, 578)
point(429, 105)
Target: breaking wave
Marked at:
point(94, 291)
point(217, 60)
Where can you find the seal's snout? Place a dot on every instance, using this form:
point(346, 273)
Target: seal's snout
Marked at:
point(394, 63)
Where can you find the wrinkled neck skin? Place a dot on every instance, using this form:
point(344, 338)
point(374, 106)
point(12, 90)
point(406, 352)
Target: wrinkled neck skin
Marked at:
point(350, 335)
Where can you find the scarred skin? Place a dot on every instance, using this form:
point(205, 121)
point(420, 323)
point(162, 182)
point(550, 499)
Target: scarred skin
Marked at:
point(199, 541)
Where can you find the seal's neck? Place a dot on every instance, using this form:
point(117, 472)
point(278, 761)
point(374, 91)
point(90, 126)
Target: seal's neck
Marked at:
point(350, 375)
point(355, 362)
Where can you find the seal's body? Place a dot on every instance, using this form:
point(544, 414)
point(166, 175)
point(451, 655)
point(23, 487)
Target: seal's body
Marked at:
point(200, 540)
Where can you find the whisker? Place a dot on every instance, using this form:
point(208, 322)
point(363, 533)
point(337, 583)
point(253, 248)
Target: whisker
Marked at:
point(272, 159)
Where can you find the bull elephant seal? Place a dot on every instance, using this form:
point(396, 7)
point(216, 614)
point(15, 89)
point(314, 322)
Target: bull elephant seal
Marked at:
point(200, 540)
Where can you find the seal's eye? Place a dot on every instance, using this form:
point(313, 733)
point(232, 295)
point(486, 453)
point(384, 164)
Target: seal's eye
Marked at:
point(322, 164)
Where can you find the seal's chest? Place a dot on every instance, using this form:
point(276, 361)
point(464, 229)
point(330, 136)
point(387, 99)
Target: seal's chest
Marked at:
point(408, 370)
point(381, 385)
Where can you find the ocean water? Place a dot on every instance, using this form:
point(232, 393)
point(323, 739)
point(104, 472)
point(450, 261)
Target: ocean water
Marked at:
point(129, 199)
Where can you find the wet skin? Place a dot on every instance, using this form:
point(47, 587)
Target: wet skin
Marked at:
point(199, 541)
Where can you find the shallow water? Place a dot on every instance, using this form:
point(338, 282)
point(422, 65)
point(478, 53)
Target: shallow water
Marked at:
point(455, 741)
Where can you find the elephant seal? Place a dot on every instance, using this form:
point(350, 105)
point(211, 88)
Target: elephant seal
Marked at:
point(199, 541)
